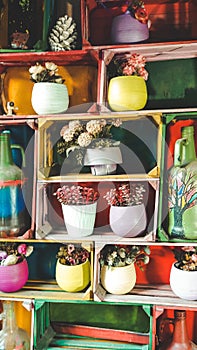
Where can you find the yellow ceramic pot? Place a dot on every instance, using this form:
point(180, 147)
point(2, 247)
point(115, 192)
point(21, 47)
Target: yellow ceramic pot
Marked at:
point(73, 278)
point(118, 280)
point(127, 93)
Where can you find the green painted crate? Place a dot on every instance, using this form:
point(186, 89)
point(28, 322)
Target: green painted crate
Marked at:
point(92, 325)
point(171, 131)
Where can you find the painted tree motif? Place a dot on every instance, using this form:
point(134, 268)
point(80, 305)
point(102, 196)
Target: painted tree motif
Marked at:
point(182, 195)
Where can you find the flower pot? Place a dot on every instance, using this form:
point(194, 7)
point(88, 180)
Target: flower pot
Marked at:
point(128, 221)
point(13, 277)
point(49, 98)
point(103, 161)
point(73, 278)
point(127, 29)
point(183, 283)
point(118, 280)
point(79, 219)
point(127, 93)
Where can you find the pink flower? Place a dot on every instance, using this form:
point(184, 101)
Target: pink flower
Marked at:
point(22, 249)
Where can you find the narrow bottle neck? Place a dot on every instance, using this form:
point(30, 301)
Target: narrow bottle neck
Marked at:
point(9, 322)
point(189, 152)
point(5, 150)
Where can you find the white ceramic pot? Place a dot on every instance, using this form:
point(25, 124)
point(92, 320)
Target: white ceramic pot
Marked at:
point(73, 278)
point(49, 98)
point(103, 161)
point(128, 221)
point(118, 280)
point(79, 219)
point(183, 283)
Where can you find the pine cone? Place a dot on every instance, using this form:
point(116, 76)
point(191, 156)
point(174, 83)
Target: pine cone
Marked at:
point(63, 36)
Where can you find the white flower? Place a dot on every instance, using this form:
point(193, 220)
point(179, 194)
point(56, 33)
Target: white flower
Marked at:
point(94, 126)
point(51, 66)
point(68, 135)
point(116, 123)
point(84, 139)
point(75, 125)
point(37, 69)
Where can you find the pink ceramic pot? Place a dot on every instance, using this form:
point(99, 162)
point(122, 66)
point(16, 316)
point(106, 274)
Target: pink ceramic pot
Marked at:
point(13, 277)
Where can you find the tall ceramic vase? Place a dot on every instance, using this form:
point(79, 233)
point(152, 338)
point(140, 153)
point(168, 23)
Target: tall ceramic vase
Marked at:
point(182, 188)
point(126, 93)
point(118, 280)
point(49, 98)
point(73, 278)
point(128, 221)
point(79, 219)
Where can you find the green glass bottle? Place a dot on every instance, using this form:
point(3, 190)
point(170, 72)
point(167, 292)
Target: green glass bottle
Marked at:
point(182, 188)
point(12, 206)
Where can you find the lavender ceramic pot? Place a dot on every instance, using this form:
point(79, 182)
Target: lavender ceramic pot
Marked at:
point(13, 277)
point(126, 29)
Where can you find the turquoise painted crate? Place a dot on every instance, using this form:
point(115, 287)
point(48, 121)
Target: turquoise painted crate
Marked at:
point(92, 325)
point(172, 124)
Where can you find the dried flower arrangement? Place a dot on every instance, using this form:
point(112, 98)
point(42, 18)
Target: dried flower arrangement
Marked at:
point(125, 195)
point(128, 65)
point(70, 254)
point(76, 195)
point(121, 255)
point(12, 253)
point(46, 73)
point(186, 258)
point(77, 135)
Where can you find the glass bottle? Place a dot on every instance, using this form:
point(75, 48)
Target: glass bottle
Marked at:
point(11, 336)
point(182, 188)
point(12, 206)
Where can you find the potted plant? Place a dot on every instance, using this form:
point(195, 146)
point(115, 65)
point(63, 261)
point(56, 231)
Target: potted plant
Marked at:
point(132, 26)
point(127, 216)
point(118, 274)
point(49, 94)
point(183, 274)
point(13, 266)
point(79, 208)
point(93, 144)
point(127, 87)
point(73, 267)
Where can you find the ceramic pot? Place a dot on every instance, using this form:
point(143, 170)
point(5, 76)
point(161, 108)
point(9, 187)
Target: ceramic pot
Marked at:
point(73, 278)
point(183, 283)
point(128, 221)
point(103, 161)
point(118, 280)
point(126, 93)
point(79, 219)
point(127, 29)
point(13, 277)
point(49, 98)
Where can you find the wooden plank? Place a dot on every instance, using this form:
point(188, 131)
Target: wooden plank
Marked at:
point(101, 333)
point(72, 342)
